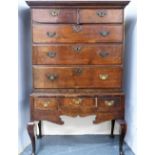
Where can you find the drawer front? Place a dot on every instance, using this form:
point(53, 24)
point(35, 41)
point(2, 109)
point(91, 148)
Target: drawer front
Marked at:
point(77, 77)
point(54, 15)
point(77, 102)
point(110, 104)
point(101, 16)
point(80, 53)
point(77, 33)
point(45, 104)
point(74, 16)
point(77, 106)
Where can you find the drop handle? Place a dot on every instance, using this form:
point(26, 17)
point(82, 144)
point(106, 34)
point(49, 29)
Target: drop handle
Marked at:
point(77, 101)
point(104, 33)
point(101, 13)
point(109, 103)
point(51, 54)
point(103, 54)
point(45, 104)
point(103, 76)
point(51, 34)
point(54, 12)
point(52, 77)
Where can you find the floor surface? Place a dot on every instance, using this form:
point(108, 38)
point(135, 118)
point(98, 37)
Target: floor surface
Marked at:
point(77, 145)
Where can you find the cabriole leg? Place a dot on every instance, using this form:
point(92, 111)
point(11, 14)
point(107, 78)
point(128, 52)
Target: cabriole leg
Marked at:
point(123, 129)
point(112, 128)
point(40, 129)
point(31, 132)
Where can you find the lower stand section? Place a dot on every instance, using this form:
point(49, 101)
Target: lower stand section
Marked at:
point(31, 132)
point(122, 123)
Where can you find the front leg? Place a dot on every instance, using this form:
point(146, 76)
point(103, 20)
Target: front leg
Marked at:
point(112, 128)
point(31, 132)
point(123, 128)
point(40, 129)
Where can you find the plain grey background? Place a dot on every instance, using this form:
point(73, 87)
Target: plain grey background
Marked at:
point(72, 126)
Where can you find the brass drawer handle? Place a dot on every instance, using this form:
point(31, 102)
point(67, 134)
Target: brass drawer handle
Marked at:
point(101, 13)
point(77, 71)
point(104, 33)
point(77, 48)
point(52, 77)
point(45, 104)
point(77, 28)
point(103, 54)
point(103, 76)
point(109, 103)
point(51, 34)
point(54, 12)
point(51, 54)
point(77, 101)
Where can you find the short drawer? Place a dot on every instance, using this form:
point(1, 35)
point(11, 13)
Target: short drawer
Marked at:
point(110, 103)
point(46, 33)
point(77, 106)
point(46, 104)
point(81, 54)
point(101, 15)
point(77, 77)
point(77, 102)
point(54, 15)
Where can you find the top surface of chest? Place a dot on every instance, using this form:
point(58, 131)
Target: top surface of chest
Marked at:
point(77, 3)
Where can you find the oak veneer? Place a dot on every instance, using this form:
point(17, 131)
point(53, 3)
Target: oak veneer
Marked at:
point(77, 62)
point(77, 33)
point(82, 54)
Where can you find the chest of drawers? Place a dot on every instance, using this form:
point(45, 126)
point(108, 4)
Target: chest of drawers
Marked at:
point(77, 62)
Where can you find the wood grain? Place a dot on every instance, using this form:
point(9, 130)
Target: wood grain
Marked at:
point(64, 54)
point(64, 16)
point(67, 77)
point(91, 16)
point(86, 34)
point(46, 103)
point(117, 106)
point(78, 4)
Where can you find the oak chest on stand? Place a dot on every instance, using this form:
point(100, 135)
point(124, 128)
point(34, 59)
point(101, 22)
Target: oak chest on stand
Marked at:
point(77, 62)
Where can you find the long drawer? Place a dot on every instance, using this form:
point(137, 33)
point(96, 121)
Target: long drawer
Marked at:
point(96, 54)
point(77, 77)
point(61, 33)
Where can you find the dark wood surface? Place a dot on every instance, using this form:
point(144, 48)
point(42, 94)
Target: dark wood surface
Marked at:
point(51, 108)
point(85, 33)
point(45, 16)
point(117, 106)
point(63, 54)
point(77, 62)
point(77, 16)
point(45, 103)
point(102, 3)
point(100, 16)
point(75, 92)
point(77, 77)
